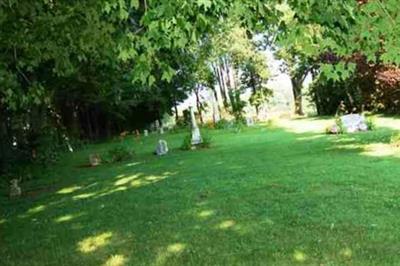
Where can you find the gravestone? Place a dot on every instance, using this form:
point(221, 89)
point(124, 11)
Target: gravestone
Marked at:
point(162, 147)
point(94, 160)
point(249, 121)
point(196, 136)
point(15, 190)
point(161, 130)
point(354, 123)
point(146, 133)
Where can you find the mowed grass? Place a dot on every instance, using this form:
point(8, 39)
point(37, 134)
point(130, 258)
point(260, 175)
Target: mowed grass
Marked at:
point(282, 195)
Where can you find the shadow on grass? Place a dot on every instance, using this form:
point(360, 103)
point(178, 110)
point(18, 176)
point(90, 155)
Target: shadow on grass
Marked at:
point(264, 195)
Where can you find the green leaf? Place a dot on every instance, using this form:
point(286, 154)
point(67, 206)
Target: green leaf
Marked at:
point(151, 80)
point(135, 4)
point(206, 4)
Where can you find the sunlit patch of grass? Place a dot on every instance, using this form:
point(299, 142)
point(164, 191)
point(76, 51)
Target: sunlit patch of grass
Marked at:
point(147, 180)
point(137, 183)
point(133, 164)
point(171, 250)
point(346, 147)
point(206, 213)
point(226, 224)
point(116, 260)
point(117, 189)
point(66, 218)
point(69, 190)
point(299, 126)
point(84, 196)
point(346, 253)
point(299, 256)
point(154, 178)
point(93, 243)
point(176, 248)
point(380, 150)
point(126, 180)
point(311, 137)
point(36, 209)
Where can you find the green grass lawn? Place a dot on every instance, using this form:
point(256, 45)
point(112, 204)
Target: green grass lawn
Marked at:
point(282, 195)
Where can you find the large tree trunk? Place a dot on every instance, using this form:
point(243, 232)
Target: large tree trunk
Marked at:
point(298, 97)
point(198, 104)
point(220, 82)
point(176, 111)
point(231, 74)
point(216, 99)
point(223, 86)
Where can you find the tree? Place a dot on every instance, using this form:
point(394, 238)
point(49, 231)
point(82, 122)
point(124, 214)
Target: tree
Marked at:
point(255, 76)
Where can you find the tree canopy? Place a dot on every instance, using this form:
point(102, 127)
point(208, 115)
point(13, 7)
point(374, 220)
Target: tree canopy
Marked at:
point(85, 68)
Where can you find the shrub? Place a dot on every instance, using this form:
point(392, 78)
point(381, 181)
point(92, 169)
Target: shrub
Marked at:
point(238, 126)
point(187, 143)
point(120, 153)
point(209, 125)
point(207, 140)
point(223, 124)
point(237, 104)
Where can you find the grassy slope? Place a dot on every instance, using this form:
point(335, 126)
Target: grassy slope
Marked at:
point(265, 196)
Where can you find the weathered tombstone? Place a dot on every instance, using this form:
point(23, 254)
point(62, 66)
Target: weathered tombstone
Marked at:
point(354, 123)
point(249, 121)
point(196, 136)
point(146, 133)
point(15, 190)
point(162, 147)
point(94, 160)
point(161, 130)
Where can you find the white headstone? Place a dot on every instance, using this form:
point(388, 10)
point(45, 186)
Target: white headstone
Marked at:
point(249, 121)
point(162, 147)
point(94, 160)
point(196, 136)
point(354, 123)
point(161, 130)
point(146, 133)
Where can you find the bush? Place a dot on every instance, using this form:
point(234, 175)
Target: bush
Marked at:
point(223, 124)
point(119, 153)
point(187, 143)
point(209, 125)
point(207, 140)
point(237, 104)
point(238, 126)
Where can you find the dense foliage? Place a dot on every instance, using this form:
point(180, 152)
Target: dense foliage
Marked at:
point(90, 69)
